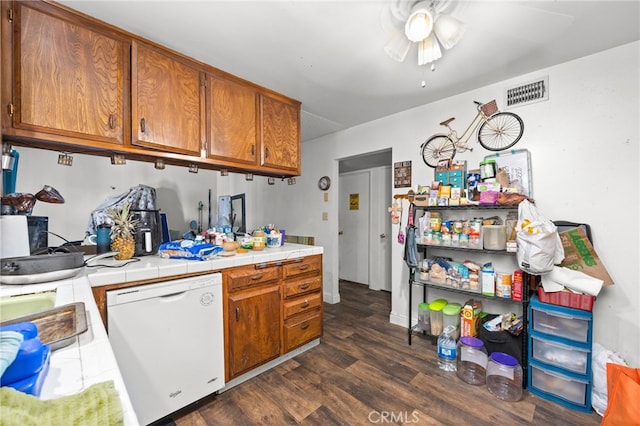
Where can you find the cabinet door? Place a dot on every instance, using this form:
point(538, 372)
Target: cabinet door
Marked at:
point(254, 328)
point(233, 121)
point(68, 77)
point(167, 101)
point(280, 135)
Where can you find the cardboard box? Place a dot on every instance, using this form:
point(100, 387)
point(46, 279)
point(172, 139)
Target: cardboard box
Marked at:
point(579, 255)
point(516, 287)
point(470, 318)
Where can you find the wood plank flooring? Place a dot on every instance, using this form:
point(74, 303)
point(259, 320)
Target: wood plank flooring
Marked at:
point(365, 373)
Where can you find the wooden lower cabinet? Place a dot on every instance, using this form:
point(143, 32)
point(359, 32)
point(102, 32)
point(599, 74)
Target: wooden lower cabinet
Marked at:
point(254, 328)
point(270, 310)
point(302, 294)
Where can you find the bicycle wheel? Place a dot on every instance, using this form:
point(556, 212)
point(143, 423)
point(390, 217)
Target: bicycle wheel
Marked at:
point(502, 131)
point(436, 148)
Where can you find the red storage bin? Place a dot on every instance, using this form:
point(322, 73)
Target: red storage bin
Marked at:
point(567, 299)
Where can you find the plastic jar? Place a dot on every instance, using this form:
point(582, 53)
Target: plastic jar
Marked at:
point(488, 169)
point(435, 312)
point(471, 364)
point(424, 317)
point(504, 377)
point(451, 316)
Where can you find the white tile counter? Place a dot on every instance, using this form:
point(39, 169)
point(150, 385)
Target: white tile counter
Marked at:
point(90, 359)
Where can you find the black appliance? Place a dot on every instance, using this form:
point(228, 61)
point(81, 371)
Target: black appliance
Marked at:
point(148, 231)
point(38, 233)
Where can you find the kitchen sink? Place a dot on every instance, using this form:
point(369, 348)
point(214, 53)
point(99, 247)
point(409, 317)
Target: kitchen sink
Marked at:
point(25, 304)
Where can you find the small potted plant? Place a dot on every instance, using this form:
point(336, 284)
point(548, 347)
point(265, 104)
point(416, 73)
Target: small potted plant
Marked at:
point(122, 232)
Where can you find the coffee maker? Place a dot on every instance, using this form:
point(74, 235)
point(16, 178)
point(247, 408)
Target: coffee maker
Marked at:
point(147, 234)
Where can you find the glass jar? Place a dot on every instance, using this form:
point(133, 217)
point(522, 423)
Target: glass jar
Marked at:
point(472, 361)
point(504, 377)
point(424, 317)
point(259, 240)
point(451, 316)
point(435, 312)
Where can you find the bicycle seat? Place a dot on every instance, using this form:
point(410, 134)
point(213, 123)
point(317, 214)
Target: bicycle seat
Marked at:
point(446, 122)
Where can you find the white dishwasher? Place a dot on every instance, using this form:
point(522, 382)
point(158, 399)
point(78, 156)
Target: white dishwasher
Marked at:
point(169, 343)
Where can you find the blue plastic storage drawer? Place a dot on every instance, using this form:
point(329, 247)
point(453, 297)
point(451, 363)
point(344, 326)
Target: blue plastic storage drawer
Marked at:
point(568, 389)
point(559, 354)
point(554, 320)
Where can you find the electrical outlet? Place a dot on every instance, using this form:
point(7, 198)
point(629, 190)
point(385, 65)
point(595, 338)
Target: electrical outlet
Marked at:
point(325, 216)
point(326, 196)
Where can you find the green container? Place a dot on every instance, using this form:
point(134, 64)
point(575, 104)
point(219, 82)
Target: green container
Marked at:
point(451, 316)
point(435, 314)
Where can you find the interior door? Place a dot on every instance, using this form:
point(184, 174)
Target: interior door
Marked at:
point(381, 230)
point(354, 217)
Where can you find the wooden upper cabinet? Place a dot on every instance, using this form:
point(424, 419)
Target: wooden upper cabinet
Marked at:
point(280, 134)
point(233, 121)
point(167, 101)
point(68, 76)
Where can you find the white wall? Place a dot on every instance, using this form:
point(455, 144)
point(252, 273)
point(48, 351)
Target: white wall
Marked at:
point(585, 159)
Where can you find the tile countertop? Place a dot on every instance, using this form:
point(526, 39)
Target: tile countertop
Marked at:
point(90, 359)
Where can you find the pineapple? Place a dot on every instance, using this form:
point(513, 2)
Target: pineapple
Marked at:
point(122, 232)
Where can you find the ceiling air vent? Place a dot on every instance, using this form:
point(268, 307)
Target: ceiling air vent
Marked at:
point(527, 93)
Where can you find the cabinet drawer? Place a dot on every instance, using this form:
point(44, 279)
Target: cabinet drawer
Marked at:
point(560, 355)
point(306, 266)
point(568, 323)
point(302, 304)
point(559, 385)
point(299, 331)
point(303, 286)
point(250, 276)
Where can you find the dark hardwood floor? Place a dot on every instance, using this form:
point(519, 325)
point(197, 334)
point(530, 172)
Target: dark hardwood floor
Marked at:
point(364, 373)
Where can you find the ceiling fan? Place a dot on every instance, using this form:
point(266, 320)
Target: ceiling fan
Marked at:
point(428, 24)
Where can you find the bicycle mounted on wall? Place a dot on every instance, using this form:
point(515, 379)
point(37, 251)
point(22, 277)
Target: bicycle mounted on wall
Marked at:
point(497, 131)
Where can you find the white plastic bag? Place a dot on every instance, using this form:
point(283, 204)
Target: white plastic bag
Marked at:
point(600, 358)
point(539, 245)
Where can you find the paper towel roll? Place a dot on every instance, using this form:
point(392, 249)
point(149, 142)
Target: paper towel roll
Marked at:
point(14, 236)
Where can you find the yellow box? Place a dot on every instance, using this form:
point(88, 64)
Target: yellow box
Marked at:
point(470, 318)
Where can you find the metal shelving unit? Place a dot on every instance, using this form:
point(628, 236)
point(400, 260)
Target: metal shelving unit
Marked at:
point(413, 280)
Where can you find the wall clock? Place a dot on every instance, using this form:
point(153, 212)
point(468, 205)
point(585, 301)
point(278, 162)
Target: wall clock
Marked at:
point(324, 183)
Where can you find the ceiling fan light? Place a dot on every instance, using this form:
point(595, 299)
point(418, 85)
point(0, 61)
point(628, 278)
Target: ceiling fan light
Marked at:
point(449, 30)
point(398, 47)
point(419, 25)
point(429, 50)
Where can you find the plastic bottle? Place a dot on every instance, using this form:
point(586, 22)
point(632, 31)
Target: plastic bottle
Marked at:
point(447, 352)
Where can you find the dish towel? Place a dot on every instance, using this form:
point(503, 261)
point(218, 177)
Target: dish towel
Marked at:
point(10, 342)
point(99, 404)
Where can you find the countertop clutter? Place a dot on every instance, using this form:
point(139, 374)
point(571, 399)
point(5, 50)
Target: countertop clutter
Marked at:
point(90, 360)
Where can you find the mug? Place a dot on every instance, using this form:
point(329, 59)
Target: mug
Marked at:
point(103, 239)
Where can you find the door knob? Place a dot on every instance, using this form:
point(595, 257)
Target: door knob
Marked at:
point(383, 235)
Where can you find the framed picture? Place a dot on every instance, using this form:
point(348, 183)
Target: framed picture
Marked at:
point(402, 174)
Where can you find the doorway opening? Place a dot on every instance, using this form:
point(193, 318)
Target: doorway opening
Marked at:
point(364, 225)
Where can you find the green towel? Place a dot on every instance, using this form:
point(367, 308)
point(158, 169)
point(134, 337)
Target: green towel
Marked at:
point(99, 404)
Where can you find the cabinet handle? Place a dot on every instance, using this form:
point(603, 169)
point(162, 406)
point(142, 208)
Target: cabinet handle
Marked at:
point(237, 314)
point(305, 304)
point(253, 150)
point(112, 121)
point(304, 286)
point(256, 277)
point(143, 126)
point(266, 152)
point(304, 267)
point(304, 326)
